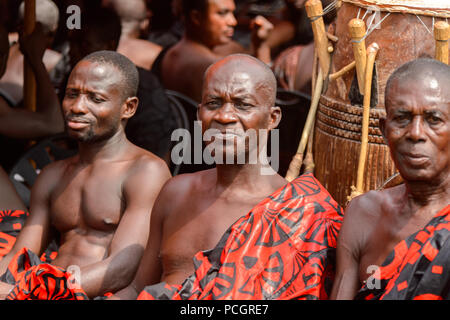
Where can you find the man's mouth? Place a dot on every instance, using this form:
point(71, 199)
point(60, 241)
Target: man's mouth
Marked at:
point(77, 124)
point(415, 159)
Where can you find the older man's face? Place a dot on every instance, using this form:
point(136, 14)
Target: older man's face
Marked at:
point(237, 102)
point(418, 128)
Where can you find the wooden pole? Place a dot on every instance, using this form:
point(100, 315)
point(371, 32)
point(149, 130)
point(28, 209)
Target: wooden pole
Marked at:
point(371, 56)
point(29, 81)
point(314, 11)
point(442, 35)
point(357, 29)
point(297, 160)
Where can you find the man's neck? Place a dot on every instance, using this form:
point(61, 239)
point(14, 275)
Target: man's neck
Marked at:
point(253, 178)
point(130, 31)
point(195, 37)
point(108, 149)
point(428, 193)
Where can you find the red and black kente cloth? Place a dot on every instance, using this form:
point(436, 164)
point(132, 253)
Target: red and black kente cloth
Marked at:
point(284, 248)
point(418, 268)
point(34, 279)
point(11, 222)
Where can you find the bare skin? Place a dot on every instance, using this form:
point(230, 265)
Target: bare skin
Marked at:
point(194, 210)
point(12, 81)
point(134, 19)
point(417, 130)
point(9, 199)
point(100, 200)
point(47, 119)
point(195, 51)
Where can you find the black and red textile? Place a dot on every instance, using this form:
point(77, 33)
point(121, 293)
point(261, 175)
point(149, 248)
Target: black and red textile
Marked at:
point(11, 222)
point(284, 248)
point(35, 280)
point(418, 268)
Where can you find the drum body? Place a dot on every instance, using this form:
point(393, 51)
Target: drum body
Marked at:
point(402, 37)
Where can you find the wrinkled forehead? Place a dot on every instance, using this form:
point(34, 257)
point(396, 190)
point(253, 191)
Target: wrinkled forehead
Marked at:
point(101, 76)
point(425, 91)
point(237, 80)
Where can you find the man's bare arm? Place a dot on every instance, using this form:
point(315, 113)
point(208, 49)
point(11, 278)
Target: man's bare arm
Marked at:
point(150, 269)
point(346, 283)
point(34, 234)
point(130, 239)
point(47, 119)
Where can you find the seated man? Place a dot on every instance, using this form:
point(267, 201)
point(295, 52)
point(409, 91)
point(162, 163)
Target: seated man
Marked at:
point(17, 124)
point(208, 24)
point(283, 247)
point(25, 124)
point(405, 226)
point(152, 125)
point(135, 22)
point(99, 200)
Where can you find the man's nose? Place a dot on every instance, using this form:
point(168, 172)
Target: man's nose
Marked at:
point(232, 20)
point(78, 105)
point(416, 130)
point(226, 114)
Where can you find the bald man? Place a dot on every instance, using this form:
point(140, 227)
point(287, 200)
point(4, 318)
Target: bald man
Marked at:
point(395, 241)
point(98, 201)
point(134, 17)
point(193, 211)
point(208, 24)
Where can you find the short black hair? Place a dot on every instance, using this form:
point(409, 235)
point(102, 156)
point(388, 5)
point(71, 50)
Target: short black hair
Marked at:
point(124, 65)
point(102, 23)
point(417, 69)
point(188, 5)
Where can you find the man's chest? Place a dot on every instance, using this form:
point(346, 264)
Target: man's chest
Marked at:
point(87, 200)
point(201, 226)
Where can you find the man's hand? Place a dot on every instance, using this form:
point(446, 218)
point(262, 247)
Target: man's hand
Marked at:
point(5, 288)
point(33, 45)
point(261, 28)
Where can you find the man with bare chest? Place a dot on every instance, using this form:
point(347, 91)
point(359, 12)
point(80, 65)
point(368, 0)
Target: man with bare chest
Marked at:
point(209, 24)
point(387, 234)
point(194, 211)
point(100, 200)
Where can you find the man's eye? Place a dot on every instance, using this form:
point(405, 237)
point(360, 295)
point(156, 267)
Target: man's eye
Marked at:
point(212, 104)
point(71, 94)
point(97, 99)
point(433, 120)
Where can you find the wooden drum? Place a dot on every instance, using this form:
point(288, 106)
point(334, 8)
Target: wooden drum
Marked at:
point(404, 31)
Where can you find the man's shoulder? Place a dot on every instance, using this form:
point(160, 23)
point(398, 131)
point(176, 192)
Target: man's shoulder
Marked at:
point(187, 183)
point(373, 203)
point(144, 161)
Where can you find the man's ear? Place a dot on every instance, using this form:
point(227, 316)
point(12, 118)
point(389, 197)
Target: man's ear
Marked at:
point(195, 17)
point(382, 126)
point(275, 117)
point(129, 107)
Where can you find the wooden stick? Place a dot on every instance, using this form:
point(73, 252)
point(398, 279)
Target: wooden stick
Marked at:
point(297, 160)
point(357, 29)
point(29, 81)
point(314, 11)
point(442, 35)
point(371, 56)
point(343, 71)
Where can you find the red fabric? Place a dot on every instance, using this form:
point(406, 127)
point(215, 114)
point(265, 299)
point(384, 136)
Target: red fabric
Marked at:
point(418, 268)
point(283, 249)
point(11, 222)
point(35, 280)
